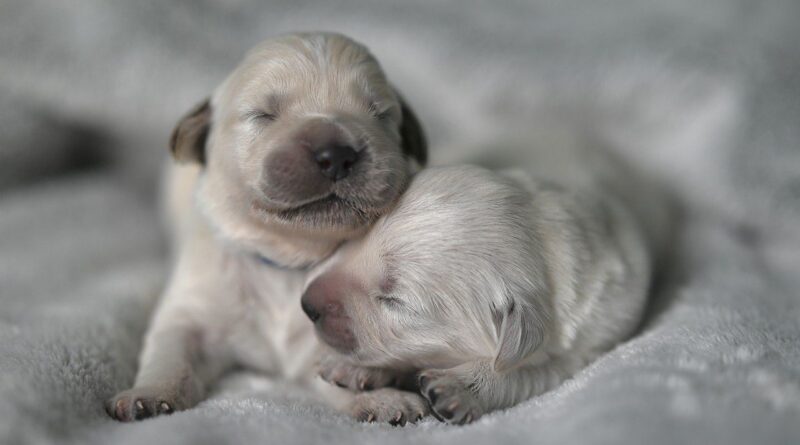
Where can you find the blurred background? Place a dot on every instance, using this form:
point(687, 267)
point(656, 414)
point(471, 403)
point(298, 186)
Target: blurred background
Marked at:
point(705, 96)
point(116, 75)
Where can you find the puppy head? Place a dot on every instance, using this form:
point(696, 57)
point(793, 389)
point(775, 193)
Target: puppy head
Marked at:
point(452, 274)
point(306, 134)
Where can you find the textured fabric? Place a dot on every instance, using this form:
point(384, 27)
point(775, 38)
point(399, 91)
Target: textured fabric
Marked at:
point(703, 95)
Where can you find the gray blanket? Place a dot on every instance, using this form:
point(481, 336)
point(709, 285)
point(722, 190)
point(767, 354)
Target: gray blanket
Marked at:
point(704, 96)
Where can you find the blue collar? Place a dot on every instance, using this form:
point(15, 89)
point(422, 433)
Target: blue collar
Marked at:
point(274, 264)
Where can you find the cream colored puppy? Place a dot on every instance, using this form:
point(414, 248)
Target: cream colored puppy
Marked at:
point(302, 147)
point(492, 287)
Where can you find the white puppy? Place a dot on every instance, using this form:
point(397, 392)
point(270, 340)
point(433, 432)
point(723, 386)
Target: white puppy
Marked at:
point(492, 287)
point(298, 150)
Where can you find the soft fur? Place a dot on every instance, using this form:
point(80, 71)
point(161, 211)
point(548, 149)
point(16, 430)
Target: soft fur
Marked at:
point(703, 93)
point(493, 286)
point(252, 211)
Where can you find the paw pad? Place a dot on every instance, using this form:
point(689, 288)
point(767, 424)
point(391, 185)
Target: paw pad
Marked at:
point(450, 400)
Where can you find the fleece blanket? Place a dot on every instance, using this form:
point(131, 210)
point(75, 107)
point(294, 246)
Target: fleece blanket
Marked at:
point(701, 95)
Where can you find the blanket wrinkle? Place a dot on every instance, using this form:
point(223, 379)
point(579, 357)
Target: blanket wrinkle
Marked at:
point(700, 95)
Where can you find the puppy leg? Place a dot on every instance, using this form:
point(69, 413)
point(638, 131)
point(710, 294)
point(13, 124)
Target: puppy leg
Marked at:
point(173, 374)
point(339, 371)
point(463, 394)
point(388, 405)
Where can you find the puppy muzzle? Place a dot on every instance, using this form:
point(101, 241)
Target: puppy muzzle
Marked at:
point(330, 320)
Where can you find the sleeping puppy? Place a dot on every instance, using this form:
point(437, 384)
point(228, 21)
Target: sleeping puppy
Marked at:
point(491, 287)
point(302, 147)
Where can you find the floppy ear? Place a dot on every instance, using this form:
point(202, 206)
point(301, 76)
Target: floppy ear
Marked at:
point(412, 136)
point(521, 329)
point(188, 140)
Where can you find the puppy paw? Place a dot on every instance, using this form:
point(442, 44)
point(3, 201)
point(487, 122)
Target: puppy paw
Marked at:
point(141, 403)
point(450, 399)
point(356, 378)
point(389, 405)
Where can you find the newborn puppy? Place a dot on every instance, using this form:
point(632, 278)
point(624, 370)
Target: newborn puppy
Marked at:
point(302, 147)
point(491, 287)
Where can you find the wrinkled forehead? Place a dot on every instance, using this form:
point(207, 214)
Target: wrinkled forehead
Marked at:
point(319, 71)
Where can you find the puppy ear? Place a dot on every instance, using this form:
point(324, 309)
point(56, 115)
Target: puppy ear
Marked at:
point(188, 140)
point(520, 332)
point(412, 135)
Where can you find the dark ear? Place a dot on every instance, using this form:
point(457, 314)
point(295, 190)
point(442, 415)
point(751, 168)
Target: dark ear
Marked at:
point(521, 329)
point(188, 140)
point(412, 136)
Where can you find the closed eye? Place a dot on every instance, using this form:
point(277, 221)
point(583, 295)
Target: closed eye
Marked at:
point(384, 115)
point(267, 110)
point(380, 112)
point(262, 116)
point(390, 301)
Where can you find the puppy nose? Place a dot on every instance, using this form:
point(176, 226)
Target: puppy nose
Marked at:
point(336, 161)
point(310, 310)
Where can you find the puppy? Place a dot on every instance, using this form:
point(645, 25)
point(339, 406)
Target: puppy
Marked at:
point(491, 287)
point(302, 147)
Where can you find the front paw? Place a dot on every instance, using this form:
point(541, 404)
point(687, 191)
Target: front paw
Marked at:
point(450, 399)
point(141, 403)
point(356, 378)
point(389, 405)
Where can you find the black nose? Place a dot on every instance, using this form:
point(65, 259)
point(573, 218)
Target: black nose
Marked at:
point(312, 313)
point(336, 161)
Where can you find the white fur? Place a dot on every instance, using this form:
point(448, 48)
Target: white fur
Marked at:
point(507, 282)
point(223, 306)
point(502, 283)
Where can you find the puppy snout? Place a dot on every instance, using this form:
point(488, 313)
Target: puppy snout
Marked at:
point(335, 161)
point(318, 305)
point(331, 321)
point(311, 311)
